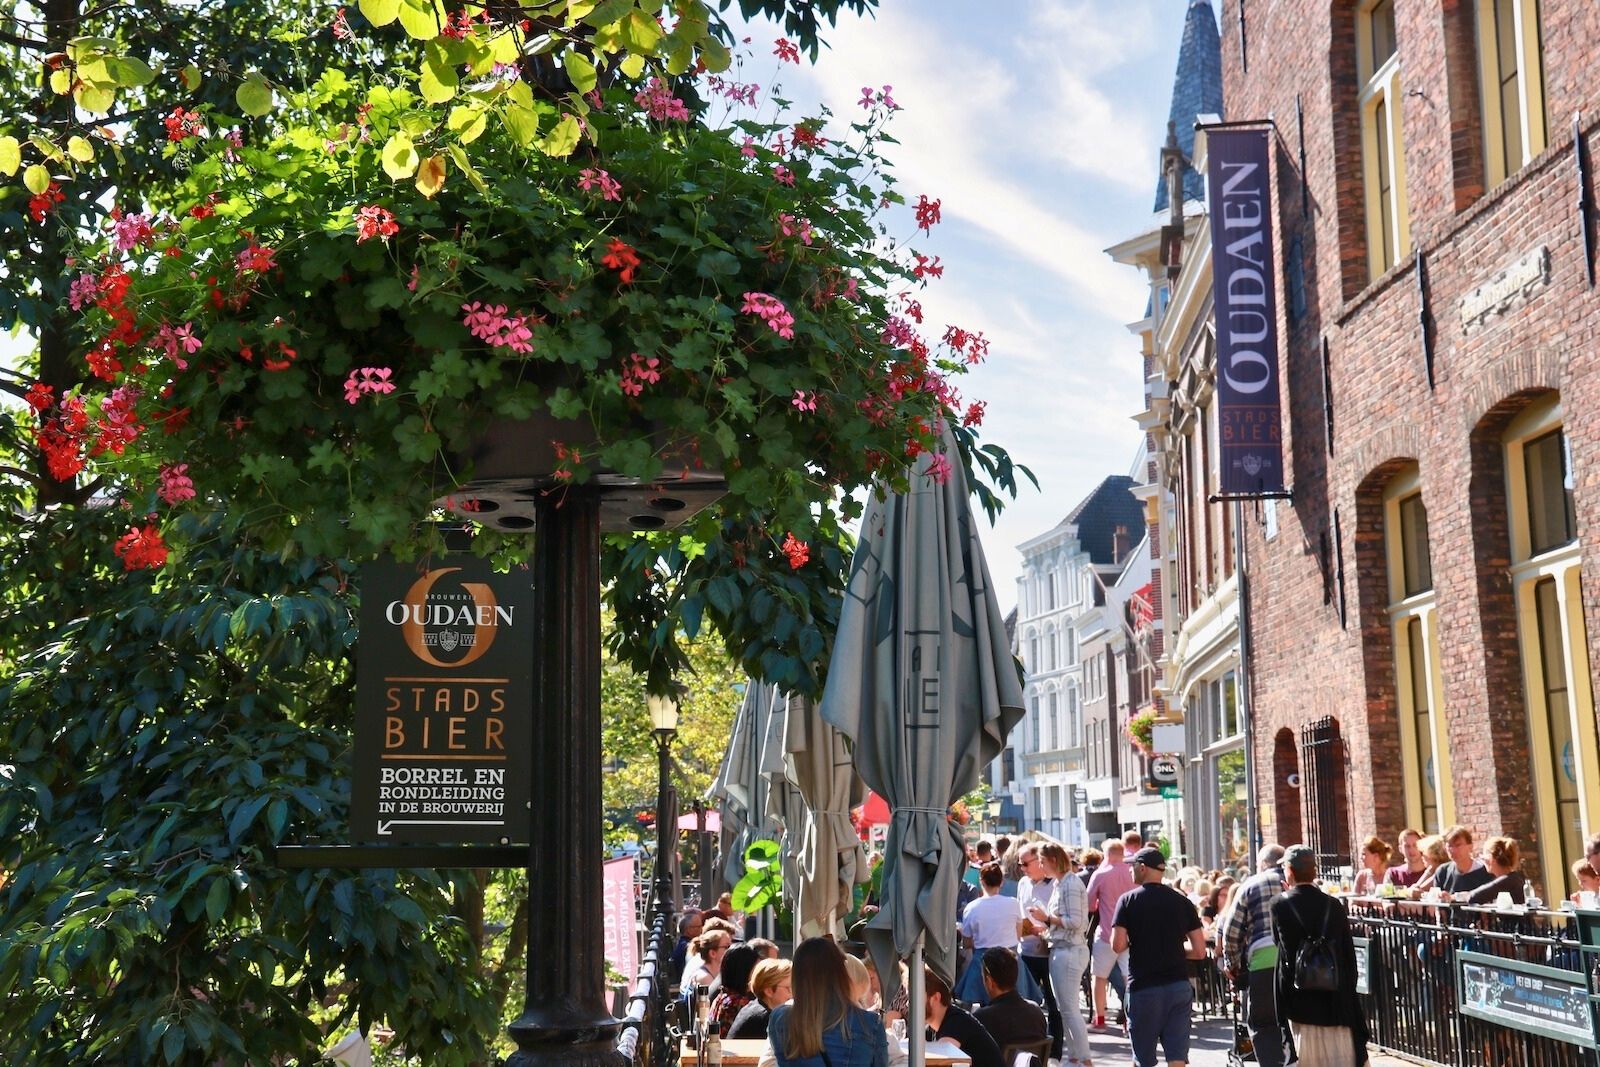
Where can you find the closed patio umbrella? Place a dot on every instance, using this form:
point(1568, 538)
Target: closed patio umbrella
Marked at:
point(923, 683)
point(831, 860)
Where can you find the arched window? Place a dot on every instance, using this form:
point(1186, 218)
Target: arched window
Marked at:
point(1053, 735)
point(1414, 623)
point(1545, 582)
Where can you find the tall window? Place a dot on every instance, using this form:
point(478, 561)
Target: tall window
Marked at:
point(1382, 149)
point(1050, 648)
point(1035, 718)
point(1414, 626)
point(1008, 765)
point(1074, 717)
point(1550, 630)
point(1054, 734)
point(1511, 84)
point(1034, 663)
point(1069, 646)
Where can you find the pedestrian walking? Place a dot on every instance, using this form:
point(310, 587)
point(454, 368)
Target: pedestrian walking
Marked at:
point(1249, 954)
point(1160, 930)
point(1327, 1026)
point(1109, 882)
point(1065, 924)
point(1036, 887)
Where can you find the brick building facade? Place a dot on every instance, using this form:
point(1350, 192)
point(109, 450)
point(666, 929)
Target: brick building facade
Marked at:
point(1417, 611)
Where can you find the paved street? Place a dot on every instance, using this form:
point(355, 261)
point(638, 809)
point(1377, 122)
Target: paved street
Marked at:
point(1207, 1048)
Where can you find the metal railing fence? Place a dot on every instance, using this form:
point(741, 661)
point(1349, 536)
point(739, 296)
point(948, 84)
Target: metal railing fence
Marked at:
point(1474, 987)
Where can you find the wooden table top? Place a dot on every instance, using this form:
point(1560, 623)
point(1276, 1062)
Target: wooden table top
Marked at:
point(746, 1052)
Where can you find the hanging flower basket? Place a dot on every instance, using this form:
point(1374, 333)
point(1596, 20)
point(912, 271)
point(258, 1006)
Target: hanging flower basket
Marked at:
point(1140, 729)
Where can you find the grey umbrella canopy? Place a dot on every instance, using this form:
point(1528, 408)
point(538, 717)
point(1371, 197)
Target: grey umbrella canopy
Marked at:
point(741, 784)
point(923, 683)
point(830, 860)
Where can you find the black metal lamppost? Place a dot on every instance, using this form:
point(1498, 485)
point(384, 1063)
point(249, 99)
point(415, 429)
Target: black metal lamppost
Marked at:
point(994, 816)
point(664, 720)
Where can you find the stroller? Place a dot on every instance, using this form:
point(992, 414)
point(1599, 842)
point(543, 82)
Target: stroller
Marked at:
point(1242, 1051)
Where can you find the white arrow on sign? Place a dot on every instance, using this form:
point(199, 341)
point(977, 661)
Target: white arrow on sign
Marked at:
point(384, 831)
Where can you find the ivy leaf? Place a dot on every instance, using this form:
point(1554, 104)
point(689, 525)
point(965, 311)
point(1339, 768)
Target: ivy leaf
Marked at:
point(430, 176)
point(380, 12)
point(400, 157)
point(564, 138)
point(254, 96)
point(36, 178)
point(581, 71)
point(10, 156)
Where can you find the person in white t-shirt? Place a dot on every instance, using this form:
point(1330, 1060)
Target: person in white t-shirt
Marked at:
point(988, 922)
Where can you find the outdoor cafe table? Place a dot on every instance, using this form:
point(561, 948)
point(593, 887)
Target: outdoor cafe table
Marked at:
point(746, 1052)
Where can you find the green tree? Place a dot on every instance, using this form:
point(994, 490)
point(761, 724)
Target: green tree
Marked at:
point(713, 688)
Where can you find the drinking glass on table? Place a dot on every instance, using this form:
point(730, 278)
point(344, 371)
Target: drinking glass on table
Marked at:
point(898, 1027)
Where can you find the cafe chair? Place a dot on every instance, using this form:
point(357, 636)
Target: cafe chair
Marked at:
point(1027, 1054)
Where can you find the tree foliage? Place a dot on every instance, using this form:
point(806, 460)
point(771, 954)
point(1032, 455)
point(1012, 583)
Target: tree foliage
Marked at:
point(162, 746)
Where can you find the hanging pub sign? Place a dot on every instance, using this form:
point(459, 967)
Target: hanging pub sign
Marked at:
point(1246, 303)
point(444, 690)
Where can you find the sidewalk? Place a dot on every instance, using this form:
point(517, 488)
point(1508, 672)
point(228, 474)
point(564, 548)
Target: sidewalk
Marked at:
point(1208, 1047)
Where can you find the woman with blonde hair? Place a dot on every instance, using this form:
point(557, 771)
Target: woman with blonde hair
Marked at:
point(822, 1026)
point(769, 984)
point(1501, 855)
point(1437, 855)
point(1064, 925)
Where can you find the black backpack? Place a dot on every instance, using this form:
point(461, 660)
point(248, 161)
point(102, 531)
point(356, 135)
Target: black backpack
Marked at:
point(1316, 962)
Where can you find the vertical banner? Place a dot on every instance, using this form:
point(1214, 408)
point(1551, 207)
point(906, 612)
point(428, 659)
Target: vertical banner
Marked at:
point(444, 688)
point(622, 938)
point(1246, 302)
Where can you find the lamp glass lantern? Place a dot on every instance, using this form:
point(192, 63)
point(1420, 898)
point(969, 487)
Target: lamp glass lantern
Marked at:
point(663, 712)
point(994, 809)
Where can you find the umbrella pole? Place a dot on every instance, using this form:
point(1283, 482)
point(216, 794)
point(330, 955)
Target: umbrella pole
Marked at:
point(919, 1009)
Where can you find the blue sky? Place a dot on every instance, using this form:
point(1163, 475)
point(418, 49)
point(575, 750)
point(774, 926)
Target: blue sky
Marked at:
point(1038, 125)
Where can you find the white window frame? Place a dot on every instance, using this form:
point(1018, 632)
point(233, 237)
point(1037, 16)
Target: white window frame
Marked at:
point(1381, 88)
point(1563, 565)
point(1527, 44)
point(1423, 607)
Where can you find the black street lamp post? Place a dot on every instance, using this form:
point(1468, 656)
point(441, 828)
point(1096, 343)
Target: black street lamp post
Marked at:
point(664, 718)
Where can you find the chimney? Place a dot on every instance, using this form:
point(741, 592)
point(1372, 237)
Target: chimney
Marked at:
point(1119, 543)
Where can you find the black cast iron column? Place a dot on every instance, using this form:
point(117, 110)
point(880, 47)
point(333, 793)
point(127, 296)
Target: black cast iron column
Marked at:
point(666, 823)
point(565, 1022)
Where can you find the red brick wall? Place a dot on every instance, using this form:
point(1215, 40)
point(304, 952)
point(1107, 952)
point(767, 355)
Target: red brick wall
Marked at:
point(1307, 664)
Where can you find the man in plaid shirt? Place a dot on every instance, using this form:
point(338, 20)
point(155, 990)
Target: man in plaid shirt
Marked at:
point(1247, 948)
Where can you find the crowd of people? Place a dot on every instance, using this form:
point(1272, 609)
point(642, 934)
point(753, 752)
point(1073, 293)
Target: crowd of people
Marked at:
point(1048, 933)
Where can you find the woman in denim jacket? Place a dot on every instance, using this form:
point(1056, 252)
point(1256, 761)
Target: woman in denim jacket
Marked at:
point(821, 1027)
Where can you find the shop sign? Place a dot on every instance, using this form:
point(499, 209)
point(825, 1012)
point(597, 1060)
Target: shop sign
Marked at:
point(444, 690)
point(1245, 299)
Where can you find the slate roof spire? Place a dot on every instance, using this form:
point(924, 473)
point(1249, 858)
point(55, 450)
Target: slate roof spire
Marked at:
point(1196, 90)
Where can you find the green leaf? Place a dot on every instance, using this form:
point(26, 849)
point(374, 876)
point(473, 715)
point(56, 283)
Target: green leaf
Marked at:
point(130, 71)
point(10, 156)
point(459, 154)
point(564, 138)
point(217, 897)
point(439, 78)
point(400, 157)
point(581, 71)
point(254, 96)
point(422, 19)
point(633, 66)
point(189, 76)
point(716, 55)
point(36, 178)
point(94, 99)
point(467, 122)
point(608, 11)
point(640, 32)
point(380, 12)
point(522, 123)
point(78, 148)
